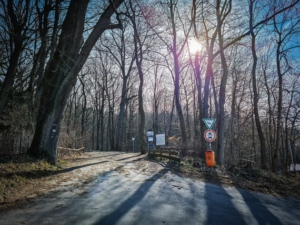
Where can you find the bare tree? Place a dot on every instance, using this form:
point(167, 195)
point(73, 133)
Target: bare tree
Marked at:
point(16, 23)
point(284, 27)
point(139, 52)
point(61, 74)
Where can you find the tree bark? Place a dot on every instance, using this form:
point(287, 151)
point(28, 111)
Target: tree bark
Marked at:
point(177, 80)
point(138, 51)
point(255, 93)
point(61, 75)
point(221, 116)
point(121, 119)
point(200, 105)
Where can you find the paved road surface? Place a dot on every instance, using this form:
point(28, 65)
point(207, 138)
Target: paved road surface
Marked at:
point(135, 195)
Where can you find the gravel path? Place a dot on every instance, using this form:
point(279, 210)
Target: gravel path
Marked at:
point(120, 188)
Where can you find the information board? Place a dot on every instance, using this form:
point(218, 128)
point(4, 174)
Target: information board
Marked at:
point(150, 139)
point(150, 133)
point(160, 139)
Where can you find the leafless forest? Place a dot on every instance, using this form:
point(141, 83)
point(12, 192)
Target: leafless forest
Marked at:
point(96, 74)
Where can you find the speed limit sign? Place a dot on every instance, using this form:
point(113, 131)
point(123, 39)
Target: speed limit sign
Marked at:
point(210, 135)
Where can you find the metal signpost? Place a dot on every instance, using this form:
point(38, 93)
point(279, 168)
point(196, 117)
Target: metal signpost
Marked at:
point(133, 144)
point(150, 139)
point(209, 136)
point(150, 133)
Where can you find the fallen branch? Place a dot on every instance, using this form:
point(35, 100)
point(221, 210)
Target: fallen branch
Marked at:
point(69, 150)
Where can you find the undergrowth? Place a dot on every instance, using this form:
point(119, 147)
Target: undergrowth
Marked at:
point(16, 172)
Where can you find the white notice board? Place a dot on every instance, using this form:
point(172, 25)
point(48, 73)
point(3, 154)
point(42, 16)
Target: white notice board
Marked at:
point(150, 133)
point(150, 139)
point(160, 139)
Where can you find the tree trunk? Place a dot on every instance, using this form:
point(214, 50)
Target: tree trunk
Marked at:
point(138, 51)
point(97, 124)
point(276, 155)
point(177, 80)
point(61, 75)
point(198, 78)
point(155, 101)
point(221, 115)
point(121, 118)
point(255, 94)
point(177, 102)
point(83, 113)
point(200, 105)
point(271, 141)
point(58, 87)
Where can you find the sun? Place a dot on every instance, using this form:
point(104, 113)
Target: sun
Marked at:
point(194, 46)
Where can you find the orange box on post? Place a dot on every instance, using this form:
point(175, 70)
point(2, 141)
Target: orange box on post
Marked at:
point(210, 158)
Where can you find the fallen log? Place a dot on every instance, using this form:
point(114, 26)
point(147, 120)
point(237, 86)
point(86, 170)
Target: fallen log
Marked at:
point(69, 150)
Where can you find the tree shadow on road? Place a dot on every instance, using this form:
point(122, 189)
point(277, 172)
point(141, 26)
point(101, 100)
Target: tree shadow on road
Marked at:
point(259, 210)
point(132, 201)
point(221, 207)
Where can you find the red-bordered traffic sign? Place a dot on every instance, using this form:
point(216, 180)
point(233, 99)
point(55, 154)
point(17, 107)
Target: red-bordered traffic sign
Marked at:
point(210, 135)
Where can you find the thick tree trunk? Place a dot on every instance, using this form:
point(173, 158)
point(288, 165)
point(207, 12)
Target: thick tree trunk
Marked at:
point(48, 126)
point(59, 84)
point(61, 75)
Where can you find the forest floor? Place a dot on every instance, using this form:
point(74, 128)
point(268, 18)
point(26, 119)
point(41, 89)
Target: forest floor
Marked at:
point(23, 179)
